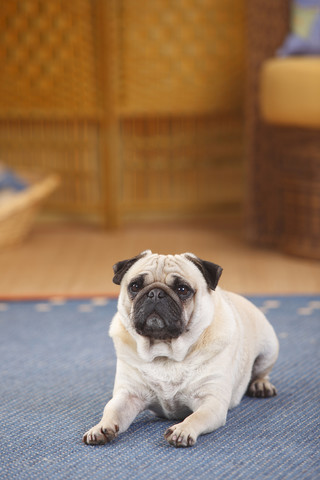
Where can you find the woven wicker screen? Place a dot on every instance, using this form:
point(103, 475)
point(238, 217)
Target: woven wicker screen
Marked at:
point(181, 56)
point(52, 98)
point(137, 105)
point(179, 86)
point(181, 165)
point(48, 59)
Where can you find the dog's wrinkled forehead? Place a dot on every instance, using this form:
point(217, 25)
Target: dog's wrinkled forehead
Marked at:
point(162, 268)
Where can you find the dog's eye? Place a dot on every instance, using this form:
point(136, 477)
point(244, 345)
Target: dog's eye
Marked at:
point(183, 290)
point(134, 287)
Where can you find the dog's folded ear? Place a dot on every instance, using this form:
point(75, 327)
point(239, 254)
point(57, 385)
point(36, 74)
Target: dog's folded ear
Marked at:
point(121, 268)
point(209, 270)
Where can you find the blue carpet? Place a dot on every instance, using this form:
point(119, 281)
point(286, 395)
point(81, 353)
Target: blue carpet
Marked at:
point(57, 368)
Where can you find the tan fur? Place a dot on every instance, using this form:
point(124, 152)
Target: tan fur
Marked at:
point(197, 376)
point(117, 331)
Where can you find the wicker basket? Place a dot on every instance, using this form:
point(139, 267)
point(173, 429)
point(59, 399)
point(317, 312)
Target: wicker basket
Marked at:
point(18, 213)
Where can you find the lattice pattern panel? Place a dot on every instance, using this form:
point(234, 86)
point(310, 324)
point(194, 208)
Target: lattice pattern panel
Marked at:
point(181, 165)
point(180, 56)
point(48, 58)
point(69, 149)
point(297, 151)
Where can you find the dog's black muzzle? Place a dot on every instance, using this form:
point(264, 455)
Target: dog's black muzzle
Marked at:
point(157, 314)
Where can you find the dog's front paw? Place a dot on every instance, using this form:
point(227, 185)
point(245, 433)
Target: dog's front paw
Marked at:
point(180, 436)
point(100, 434)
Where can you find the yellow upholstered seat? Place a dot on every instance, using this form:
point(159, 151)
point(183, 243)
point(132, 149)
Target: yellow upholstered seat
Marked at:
point(290, 91)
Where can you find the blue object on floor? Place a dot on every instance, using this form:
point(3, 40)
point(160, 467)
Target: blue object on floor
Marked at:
point(57, 369)
point(10, 181)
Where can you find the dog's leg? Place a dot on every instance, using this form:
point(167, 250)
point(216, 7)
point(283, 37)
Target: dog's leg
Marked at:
point(259, 385)
point(210, 415)
point(118, 415)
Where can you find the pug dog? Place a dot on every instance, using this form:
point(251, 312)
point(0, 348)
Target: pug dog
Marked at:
point(186, 349)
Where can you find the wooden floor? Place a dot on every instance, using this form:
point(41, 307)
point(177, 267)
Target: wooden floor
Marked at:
point(68, 259)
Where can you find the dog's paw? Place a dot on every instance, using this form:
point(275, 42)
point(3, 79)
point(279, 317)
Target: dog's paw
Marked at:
point(180, 436)
point(261, 388)
point(100, 434)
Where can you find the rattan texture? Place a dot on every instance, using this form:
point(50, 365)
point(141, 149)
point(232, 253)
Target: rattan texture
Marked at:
point(83, 81)
point(18, 214)
point(176, 57)
point(283, 207)
point(182, 165)
point(48, 59)
point(52, 98)
point(57, 372)
point(179, 89)
point(69, 149)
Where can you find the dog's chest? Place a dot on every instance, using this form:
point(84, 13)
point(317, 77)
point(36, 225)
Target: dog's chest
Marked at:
point(169, 388)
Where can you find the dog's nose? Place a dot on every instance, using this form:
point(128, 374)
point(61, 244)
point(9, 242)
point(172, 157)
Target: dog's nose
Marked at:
point(156, 294)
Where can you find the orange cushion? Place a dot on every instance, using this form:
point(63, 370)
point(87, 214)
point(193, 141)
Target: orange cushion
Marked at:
point(290, 91)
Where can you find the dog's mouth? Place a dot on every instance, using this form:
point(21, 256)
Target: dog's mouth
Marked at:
point(157, 328)
point(157, 315)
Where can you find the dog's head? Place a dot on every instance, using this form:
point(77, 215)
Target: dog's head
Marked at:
point(161, 294)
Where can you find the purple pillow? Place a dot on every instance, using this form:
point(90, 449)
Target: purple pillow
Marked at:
point(304, 38)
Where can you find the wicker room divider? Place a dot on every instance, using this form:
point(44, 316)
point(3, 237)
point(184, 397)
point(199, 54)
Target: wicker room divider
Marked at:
point(180, 105)
point(54, 100)
point(138, 106)
point(283, 204)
